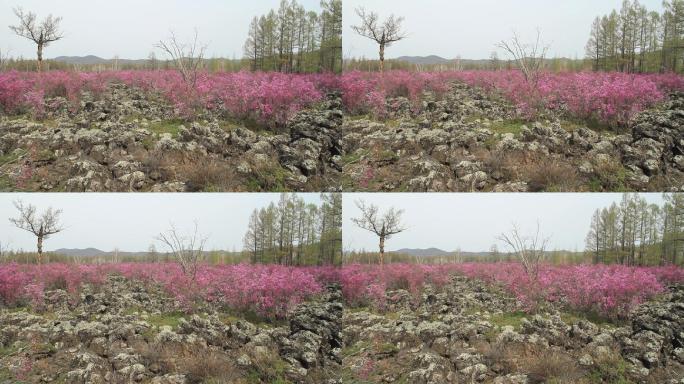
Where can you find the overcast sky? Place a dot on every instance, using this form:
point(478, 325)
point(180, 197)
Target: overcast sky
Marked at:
point(472, 221)
point(130, 28)
point(471, 28)
point(130, 221)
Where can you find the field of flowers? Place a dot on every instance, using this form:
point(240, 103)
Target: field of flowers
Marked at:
point(267, 98)
point(270, 98)
point(271, 290)
point(605, 98)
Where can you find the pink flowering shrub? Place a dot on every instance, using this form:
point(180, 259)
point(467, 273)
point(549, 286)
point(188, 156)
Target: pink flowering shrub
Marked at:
point(268, 290)
point(272, 290)
point(267, 98)
point(610, 290)
point(607, 98)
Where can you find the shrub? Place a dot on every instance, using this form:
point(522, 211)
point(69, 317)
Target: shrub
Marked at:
point(268, 98)
point(607, 98)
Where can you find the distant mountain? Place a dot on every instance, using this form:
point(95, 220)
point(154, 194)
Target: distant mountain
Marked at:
point(94, 252)
point(94, 60)
point(82, 60)
point(436, 252)
point(424, 60)
point(80, 252)
point(429, 252)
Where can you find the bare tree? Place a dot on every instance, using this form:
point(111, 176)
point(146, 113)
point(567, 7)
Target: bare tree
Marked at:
point(529, 249)
point(382, 225)
point(4, 249)
point(188, 58)
point(40, 225)
point(529, 57)
point(4, 59)
point(188, 250)
point(383, 33)
point(42, 34)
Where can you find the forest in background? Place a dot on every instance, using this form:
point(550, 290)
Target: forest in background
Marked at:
point(290, 39)
point(634, 232)
point(636, 40)
point(293, 232)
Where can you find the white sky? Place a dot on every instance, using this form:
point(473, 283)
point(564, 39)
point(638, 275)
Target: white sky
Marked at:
point(130, 28)
point(471, 28)
point(130, 221)
point(472, 221)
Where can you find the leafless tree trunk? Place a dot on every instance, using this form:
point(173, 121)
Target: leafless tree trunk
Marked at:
point(188, 58)
point(187, 250)
point(530, 58)
point(4, 249)
point(382, 225)
point(42, 226)
point(384, 34)
point(530, 250)
point(4, 59)
point(42, 34)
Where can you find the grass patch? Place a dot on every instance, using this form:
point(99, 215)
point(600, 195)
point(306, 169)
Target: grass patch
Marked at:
point(171, 319)
point(355, 157)
point(166, 126)
point(11, 157)
point(355, 349)
point(572, 317)
point(507, 126)
point(8, 351)
point(251, 317)
point(611, 369)
point(513, 319)
point(6, 184)
point(270, 178)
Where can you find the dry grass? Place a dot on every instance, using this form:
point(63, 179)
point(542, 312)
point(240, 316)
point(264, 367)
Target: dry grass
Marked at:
point(199, 364)
point(541, 365)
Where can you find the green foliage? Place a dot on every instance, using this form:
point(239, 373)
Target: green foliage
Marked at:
point(166, 126)
point(171, 319)
point(612, 369)
point(507, 126)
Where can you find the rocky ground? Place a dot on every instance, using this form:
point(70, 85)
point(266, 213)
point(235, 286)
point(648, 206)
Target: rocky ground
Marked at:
point(468, 141)
point(471, 334)
point(124, 333)
point(127, 140)
point(465, 333)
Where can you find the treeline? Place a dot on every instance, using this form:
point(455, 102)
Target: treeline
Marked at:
point(210, 257)
point(293, 232)
point(634, 39)
point(493, 64)
point(557, 257)
point(152, 63)
point(635, 232)
point(293, 39)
